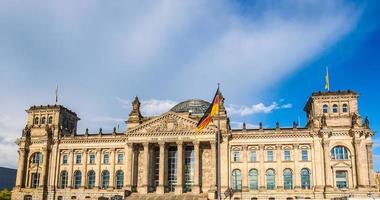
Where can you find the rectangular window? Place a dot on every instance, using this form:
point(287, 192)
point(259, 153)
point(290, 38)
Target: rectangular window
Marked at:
point(287, 155)
point(92, 159)
point(341, 179)
point(35, 180)
point(120, 158)
point(106, 158)
point(253, 156)
point(64, 159)
point(305, 156)
point(236, 156)
point(269, 155)
point(78, 159)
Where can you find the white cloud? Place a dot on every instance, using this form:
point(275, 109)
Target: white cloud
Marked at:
point(9, 131)
point(376, 142)
point(150, 107)
point(243, 110)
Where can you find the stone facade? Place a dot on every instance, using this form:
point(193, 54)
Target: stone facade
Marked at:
point(162, 156)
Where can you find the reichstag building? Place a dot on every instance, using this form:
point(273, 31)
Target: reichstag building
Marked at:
point(162, 157)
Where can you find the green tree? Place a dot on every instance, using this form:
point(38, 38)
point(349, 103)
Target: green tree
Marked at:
point(5, 194)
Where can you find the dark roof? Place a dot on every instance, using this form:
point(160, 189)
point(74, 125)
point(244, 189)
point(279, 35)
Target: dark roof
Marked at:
point(338, 92)
point(55, 106)
point(194, 106)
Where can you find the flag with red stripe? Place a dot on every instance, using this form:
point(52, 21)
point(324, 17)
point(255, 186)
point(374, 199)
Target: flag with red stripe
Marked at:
point(211, 111)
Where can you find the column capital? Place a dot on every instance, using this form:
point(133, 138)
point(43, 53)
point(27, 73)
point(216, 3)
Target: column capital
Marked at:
point(196, 142)
point(213, 142)
point(179, 142)
point(161, 143)
point(245, 147)
point(261, 146)
point(326, 143)
point(296, 146)
point(369, 145)
point(145, 144)
point(98, 149)
point(278, 146)
point(84, 150)
point(129, 144)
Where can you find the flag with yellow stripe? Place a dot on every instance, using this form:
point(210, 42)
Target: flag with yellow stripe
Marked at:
point(211, 111)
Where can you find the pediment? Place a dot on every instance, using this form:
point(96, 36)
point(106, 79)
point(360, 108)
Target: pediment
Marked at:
point(341, 164)
point(169, 122)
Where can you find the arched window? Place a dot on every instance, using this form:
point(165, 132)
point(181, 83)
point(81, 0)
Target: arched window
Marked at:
point(43, 120)
point(37, 158)
point(28, 197)
point(63, 179)
point(119, 179)
point(305, 178)
point(325, 108)
point(271, 179)
point(253, 179)
point(288, 179)
point(344, 108)
point(105, 179)
point(36, 120)
point(106, 158)
point(91, 179)
point(77, 179)
point(236, 155)
point(236, 179)
point(335, 108)
point(50, 120)
point(339, 153)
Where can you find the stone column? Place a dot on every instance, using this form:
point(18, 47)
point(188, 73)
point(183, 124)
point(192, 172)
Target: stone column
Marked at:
point(179, 186)
point(112, 171)
point(84, 172)
point(262, 168)
point(145, 174)
point(213, 166)
point(244, 173)
point(196, 188)
point(372, 181)
point(98, 169)
point(361, 164)
point(297, 172)
point(20, 168)
point(328, 172)
point(45, 160)
point(317, 164)
point(70, 174)
point(128, 166)
point(279, 173)
point(161, 177)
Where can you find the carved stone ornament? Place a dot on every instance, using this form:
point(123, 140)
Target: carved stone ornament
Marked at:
point(323, 121)
point(170, 124)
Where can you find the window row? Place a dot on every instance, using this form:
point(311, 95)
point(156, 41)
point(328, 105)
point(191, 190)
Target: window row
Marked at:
point(270, 178)
point(37, 121)
point(91, 175)
point(236, 155)
point(92, 158)
point(325, 108)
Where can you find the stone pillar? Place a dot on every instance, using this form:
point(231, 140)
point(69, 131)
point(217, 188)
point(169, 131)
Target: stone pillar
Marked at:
point(328, 172)
point(161, 177)
point(45, 160)
point(143, 189)
point(262, 168)
point(297, 171)
point(179, 186)
point(112, 171)
point(84, 172)
point(97, 168)
point(70, 173)
point(244, 173)
point(372, 181)
point(20, 168)
point(213, 166)
point(280, 173)
point(196, 188)
point(128, 166)
point(317, 173)
point(361, 164)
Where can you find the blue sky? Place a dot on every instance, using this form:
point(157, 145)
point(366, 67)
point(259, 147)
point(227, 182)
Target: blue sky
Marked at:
point(268, 56)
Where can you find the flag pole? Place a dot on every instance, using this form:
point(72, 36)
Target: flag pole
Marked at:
point(218, 190)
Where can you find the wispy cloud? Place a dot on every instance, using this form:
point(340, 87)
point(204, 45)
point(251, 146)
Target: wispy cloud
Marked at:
point(150, 107)
point(243, 110)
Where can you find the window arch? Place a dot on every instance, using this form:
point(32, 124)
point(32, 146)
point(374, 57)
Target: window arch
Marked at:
point(36, 120)
point(288, 179)
point(36, 158)
point(43, 120)
point(325, 108)
point(91, 179)
point(77, 179)
point(63, 179)
point(344, 108)
point(236, 179)
point(119, 179)
point(105, 179)
point(50, 120)
point(305, 178)
point(253, 179)
point(339, 153)
point(335, 108)
point(271, 179)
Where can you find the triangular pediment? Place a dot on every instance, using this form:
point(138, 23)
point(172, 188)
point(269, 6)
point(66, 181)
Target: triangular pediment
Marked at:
point(169, 122)
point(341, 164)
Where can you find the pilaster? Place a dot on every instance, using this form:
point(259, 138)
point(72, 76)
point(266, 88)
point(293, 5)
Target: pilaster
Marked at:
point(196, 188)
point(179, 186)
point(161, 177)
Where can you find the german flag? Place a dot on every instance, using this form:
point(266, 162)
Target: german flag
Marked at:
point(210, 113)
